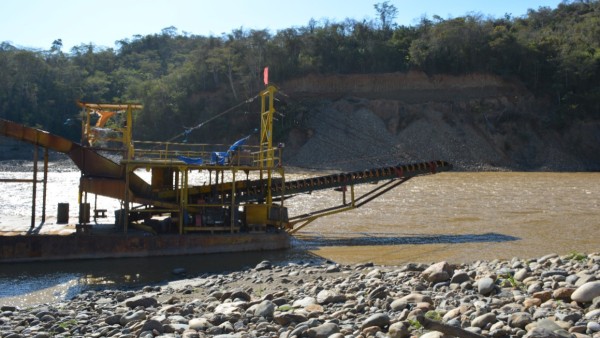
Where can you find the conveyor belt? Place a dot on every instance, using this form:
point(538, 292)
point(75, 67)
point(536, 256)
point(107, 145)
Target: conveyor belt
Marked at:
point(105, 177)
point(254, 190)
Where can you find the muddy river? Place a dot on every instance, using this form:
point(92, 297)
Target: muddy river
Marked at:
point(458, 217)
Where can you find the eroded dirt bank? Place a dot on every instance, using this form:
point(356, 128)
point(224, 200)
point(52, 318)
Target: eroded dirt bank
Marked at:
point(478, 122)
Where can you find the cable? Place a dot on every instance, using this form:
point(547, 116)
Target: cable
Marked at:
point(189, 130)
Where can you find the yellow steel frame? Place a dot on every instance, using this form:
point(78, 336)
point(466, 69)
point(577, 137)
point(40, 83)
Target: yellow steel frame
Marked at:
point(266, 127)
point(306, 220)
point(126, 130)
point(265, 163)
point(182, 190)
point(266, 153)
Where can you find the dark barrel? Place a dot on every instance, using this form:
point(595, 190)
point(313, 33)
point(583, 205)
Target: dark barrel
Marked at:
point(84, 213)
point(62, 216)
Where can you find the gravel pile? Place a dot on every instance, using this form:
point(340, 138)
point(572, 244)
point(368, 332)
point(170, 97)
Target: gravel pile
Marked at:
point(348, 135)
point(553, 296)
point(353, 133)
point(345, 138)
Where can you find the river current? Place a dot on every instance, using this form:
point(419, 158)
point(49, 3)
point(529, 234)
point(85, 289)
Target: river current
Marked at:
point(455, 216)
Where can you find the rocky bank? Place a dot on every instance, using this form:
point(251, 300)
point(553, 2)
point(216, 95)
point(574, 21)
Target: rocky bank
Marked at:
point(553, 296)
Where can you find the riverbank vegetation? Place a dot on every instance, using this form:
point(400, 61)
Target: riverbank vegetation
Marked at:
point(183, 79)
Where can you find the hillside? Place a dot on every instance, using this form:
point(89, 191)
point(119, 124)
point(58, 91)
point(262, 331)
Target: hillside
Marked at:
point(477, 121)
point(536, 108)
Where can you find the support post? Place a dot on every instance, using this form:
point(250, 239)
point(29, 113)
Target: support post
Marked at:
point(127, 133)
point(126, 204)
point(266, 152)
point(34, 193)
point(45, 185)
point(183, 198)
point(232, 209)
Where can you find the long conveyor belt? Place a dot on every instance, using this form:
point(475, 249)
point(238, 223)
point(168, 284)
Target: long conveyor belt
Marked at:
point(100, 168)
point(255, 190)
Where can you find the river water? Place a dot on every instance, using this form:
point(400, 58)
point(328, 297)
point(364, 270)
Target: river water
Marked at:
point(456, 216)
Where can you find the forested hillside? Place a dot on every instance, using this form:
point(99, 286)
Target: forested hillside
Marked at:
point(182, 80)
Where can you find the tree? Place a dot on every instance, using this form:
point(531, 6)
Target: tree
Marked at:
point(183, 78)
point(452, 46)
point(387, 14)
point(56, 46)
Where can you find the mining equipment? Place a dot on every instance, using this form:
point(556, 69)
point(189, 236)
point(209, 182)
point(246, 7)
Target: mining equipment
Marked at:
point(239, 204)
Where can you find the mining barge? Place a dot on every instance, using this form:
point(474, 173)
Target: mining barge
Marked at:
point(238, 204)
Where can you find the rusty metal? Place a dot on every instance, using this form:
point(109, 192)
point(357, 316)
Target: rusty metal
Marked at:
point(26, 248)
point(16, 180)
point(102, 176)
point(45, 185)
point(34, 190)
point(34, 181)
point(35, 136)
point(202, 219)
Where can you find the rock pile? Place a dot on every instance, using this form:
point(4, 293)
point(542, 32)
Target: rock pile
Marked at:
point(553, 296)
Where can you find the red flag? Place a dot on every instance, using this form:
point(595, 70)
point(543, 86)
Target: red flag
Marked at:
point(266, 76)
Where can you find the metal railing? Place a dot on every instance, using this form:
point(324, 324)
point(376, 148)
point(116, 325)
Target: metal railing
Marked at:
point(205, 154)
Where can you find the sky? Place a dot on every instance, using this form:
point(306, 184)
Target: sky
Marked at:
point(37, 23)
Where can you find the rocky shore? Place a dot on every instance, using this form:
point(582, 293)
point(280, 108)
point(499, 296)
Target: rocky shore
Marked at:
point(553, 296)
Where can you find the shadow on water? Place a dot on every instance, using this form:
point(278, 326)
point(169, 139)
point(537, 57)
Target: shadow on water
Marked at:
point(69, 278)
point(368, 239)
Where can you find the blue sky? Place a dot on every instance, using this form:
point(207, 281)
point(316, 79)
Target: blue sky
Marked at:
point(36, 23)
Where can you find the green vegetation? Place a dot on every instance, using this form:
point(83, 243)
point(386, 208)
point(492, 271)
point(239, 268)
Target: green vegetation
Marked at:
point(577, 256)
point(185, 79)
point(285, 308)
point(433, 315)
point(68, 324)
point(510, 279)
point(415, 324)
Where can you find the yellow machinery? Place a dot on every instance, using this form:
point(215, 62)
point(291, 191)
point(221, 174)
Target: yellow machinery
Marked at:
point(200, 188)
point(118, 131)
point(212, 207)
